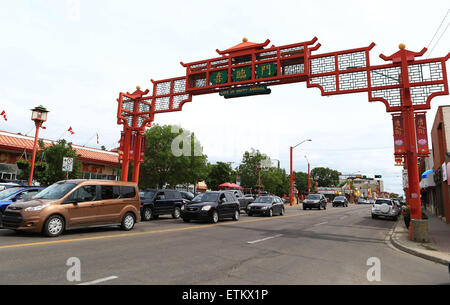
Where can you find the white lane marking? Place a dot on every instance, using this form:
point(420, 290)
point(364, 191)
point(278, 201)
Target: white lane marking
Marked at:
point(322, 223)
point(100, 280)
point(259, 240)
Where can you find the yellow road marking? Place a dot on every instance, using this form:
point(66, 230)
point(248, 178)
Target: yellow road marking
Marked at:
point(145, 233)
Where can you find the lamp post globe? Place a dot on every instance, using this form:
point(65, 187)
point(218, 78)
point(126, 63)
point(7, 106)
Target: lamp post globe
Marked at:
point(39, 116)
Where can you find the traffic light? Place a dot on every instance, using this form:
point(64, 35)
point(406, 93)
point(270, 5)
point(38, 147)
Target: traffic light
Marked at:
point(378, 176)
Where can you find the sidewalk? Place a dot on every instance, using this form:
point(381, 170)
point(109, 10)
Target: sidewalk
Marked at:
point(437, 250)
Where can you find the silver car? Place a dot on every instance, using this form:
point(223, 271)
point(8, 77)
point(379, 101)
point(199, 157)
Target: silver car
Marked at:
point(385, 208)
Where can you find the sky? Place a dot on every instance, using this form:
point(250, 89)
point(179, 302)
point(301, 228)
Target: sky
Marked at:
point(75, 56)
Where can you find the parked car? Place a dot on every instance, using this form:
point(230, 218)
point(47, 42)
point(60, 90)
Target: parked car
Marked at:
point(244, 201)
point(160, 202)
point(186, 196)
point(7, 185)
point(317, 201)
point(385, 208)
point(266, 205)
point(399, 206)
point(75, 203)
point(211, 206)
point(14, 194)
point(340, 201)
point(363, 201)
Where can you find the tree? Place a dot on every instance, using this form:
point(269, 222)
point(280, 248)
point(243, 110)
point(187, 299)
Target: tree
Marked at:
point(275, 181)
point(325, 176)
point(54, 155)
point(218, 173)
point(164, 165)
point(301, 180)
point(249, 168)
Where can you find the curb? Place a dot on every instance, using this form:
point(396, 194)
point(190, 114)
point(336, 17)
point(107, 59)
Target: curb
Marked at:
point(423, 255)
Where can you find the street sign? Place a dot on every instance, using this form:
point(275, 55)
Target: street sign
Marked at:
point(245, 91)
point(67, 164)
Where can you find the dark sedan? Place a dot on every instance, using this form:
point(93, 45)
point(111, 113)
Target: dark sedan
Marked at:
point(317, 201)
point(266, 205)
point(211, 206)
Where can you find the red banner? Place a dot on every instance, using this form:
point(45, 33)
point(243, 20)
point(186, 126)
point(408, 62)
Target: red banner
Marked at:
point(399, 134)
point(132, 145)
point(421, 134)
point(121, 143)
point(142, 149)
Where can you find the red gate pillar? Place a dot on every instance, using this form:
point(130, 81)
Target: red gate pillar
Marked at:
point(137, 157)
point(126, 155)
point(410, 135)
point(291, 179)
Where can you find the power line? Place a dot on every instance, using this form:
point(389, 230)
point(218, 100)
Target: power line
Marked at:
point(439, 38)
point(437, 30)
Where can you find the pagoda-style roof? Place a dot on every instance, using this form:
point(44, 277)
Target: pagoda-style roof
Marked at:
point(244, 46)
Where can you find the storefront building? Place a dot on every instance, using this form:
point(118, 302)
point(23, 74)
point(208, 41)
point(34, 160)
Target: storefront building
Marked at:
point(96, 163)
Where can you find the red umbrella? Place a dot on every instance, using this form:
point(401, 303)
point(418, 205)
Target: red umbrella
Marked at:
point(229, 185)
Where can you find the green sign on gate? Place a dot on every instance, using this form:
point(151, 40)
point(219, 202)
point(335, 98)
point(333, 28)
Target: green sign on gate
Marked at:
point(219, 77)
point(245, 91)
point(241, 74)
point(266, 70)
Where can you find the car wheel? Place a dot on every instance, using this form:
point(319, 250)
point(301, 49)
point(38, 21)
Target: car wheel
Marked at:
point(304, 208)
point(325, 207)
point(374, 216)
point(395, 218)
point(249, 214)
point(215, 217)
point(128, 222)
point(282, 212)
point(270, 213)
point(147, 214)
point(319, 207)
point(176, 213)
point(186, 220)
point(236, 215)
point(54, 226)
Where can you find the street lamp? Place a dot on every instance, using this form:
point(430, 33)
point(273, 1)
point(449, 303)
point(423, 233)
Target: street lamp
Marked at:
point(39, 116)
point(291, 193)
point(259, 179)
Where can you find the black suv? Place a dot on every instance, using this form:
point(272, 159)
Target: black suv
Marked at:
point(211, 206)
point(160, 202)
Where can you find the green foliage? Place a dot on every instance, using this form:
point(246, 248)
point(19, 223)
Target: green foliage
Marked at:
point(53, 155)
point(162, 167)
point(219, 173)
point(301, 180)
point(275, 181)
point(325, 176)
point(249, 168)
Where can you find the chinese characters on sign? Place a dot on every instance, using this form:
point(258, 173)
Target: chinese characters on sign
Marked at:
point(399, 134)
point(241, 74)
point(421, 134)
point(266, 70)
point(219, 77)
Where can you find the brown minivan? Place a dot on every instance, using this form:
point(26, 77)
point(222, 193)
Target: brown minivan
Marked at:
point(76, 203)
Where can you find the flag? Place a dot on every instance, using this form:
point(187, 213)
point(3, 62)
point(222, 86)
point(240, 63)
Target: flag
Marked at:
point(97, 138)
point(3, 114)
point(71, 130)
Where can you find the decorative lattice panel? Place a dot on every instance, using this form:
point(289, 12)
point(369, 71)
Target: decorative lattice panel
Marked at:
point(328, 83)
point(293, 69)
point(351, 60)
point(385, 76)
point(322, 65)
point(162, 103)
point(351, 81)
point(392, 96)
point(425, 72)
point(420, 94)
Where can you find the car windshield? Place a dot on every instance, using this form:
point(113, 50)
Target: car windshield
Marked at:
point(206, 197)
point(147, 194)
point(55, 191)
point(8, 192)
point(381, 201)
point(313, 197)
point(339, 198)
point(263, 200)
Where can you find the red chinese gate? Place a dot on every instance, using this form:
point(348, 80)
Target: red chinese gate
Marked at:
point(405, 85)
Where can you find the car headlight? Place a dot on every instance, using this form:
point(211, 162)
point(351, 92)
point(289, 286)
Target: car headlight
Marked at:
point(265, 208)
point(206, 208)
point(182, 207)
point(36, 208)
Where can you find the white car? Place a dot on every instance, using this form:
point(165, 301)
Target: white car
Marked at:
point(385, 208)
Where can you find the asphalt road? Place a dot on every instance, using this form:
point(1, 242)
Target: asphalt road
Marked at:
point(303, 247)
